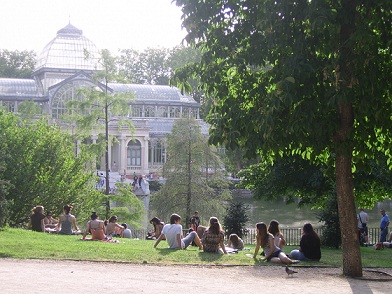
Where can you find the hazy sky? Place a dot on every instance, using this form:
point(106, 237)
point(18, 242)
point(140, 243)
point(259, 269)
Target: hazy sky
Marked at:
point(110, 24)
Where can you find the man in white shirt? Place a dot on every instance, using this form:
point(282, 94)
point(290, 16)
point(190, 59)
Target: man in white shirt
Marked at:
point(173, 234)
point(363, 219)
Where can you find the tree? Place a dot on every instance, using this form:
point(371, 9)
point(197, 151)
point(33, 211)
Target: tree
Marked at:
point(43, 169)
point(191, 183)
point(17, 64)
point(146, 67)
point(28, 109)
point(299, 77)
point(97, 107)
point(236, 218)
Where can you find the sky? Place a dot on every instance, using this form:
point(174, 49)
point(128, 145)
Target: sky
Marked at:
point(110, 24)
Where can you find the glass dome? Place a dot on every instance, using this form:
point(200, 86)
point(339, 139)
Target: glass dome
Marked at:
point(68, 51)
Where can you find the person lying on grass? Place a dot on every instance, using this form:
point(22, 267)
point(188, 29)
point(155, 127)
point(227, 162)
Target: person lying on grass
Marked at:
point(173, 234)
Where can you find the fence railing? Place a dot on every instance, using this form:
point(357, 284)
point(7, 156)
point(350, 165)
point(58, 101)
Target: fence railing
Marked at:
point(291, 235)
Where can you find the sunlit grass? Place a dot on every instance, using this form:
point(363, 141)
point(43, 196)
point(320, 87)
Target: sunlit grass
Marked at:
point(22, 244)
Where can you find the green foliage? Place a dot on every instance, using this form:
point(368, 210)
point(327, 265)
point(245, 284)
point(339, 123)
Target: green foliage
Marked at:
point(309, 78)
point(128, 207)
point(42, 169)
point(236, 218)
point(147, 67)
point(193, 180)
point(328, 214)
point(155, 186)
point(16, 64)
point(28, 109)
point(4, 184)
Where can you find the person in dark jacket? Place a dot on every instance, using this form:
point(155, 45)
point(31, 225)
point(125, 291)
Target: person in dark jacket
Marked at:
point(37, 219)
point(309, 246)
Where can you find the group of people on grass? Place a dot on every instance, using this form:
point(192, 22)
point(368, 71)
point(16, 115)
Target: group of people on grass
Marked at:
point(269, 239)
point(66, 224)
point(385, 241)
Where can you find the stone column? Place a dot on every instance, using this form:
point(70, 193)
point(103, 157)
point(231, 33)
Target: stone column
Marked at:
point(145, 156)
point(122, 164)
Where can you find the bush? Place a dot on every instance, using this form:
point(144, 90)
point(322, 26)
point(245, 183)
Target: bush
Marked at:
point(330, 231)
point(236, 218)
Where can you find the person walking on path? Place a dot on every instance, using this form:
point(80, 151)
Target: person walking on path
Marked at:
point(384, 223)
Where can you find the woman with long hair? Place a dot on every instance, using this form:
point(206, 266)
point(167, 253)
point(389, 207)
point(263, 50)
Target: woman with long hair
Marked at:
point(213, 237)
point(113, 228)
point(235, 242)
point(37, 219)
point(309, 248)
point(158, 226)
point(67, 221)
point(265, 240)
point(273, 228)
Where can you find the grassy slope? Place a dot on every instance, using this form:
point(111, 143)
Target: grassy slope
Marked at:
point(17, 243)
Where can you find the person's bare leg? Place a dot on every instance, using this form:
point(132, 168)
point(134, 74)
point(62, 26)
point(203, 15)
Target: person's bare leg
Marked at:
point(284, 259)
point(198, 241)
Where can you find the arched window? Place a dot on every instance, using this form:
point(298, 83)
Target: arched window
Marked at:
point(162, 111)
point(136, 111)
point(156, 152)
point(134, 153)
point(149, 111)
point(174, 112)
point(63, 95)
point(194, 112)
point(185, 112)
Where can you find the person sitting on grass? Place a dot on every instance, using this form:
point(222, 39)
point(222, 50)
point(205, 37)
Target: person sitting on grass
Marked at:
point(113, 228)
point(213, 238)
point(158, 226)
point(309, 249)
point(386, 244)
point(37, 219)
point(272, 252)
point(173, 234)
point(66, 221)
point(273, 228)
point(127, 232)
point(96, 227)
point(50, 223)
point(235, 242)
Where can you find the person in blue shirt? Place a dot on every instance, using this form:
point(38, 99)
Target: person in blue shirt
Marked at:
point(384, 223)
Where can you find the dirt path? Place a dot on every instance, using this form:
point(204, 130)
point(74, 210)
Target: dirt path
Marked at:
point(48, 276)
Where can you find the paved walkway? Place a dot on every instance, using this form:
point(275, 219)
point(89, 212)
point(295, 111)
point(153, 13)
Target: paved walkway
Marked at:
point(46, 276)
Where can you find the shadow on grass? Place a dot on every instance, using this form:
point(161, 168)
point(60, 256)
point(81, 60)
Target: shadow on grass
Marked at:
point(3, 255)
point(165, 251)
point(206, 256)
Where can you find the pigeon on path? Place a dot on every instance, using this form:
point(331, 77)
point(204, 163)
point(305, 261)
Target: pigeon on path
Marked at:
point(290, 271)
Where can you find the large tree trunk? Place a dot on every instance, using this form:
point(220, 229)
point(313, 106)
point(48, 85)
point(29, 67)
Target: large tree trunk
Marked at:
point(352, 264)
point(345, 77)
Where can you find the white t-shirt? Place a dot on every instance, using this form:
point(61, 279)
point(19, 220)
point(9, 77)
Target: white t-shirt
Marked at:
point(364, 218)
point(171, 232)
point(127, 233)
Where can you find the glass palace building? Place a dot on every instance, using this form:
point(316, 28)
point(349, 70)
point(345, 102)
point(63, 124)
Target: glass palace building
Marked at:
point(62, 68)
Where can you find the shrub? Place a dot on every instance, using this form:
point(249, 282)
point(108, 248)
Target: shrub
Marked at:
point(236, 218)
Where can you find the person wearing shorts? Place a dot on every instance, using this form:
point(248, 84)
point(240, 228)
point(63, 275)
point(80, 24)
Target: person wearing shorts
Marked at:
point(173, 234)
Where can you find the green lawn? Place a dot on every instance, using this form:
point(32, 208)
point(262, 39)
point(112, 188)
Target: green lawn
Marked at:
point(23, 244)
